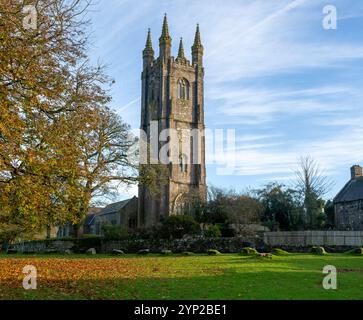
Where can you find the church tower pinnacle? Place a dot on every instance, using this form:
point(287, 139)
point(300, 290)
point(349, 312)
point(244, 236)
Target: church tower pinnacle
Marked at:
point(197, 48)
point(165, 40)
point(148, 53)
point(181, 55)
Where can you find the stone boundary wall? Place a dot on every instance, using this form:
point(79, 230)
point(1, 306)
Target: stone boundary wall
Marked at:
point(314, 238)
point(300, 240)
point(199, 245)
point(43, 246)
point(224, 245)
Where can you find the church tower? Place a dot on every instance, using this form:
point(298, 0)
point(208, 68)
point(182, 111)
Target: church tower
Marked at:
point(173, 98)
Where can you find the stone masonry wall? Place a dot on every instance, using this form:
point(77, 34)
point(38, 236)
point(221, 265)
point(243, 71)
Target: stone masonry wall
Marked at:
point(300, 241)
point(225, 245)
point(349, 215)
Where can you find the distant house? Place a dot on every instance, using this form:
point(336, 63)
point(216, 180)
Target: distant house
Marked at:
point(123, 213)
point(349, 203)
point(87, 226)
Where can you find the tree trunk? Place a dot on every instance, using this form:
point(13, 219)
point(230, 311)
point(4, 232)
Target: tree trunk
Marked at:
point(76, 228)
point(49, 230)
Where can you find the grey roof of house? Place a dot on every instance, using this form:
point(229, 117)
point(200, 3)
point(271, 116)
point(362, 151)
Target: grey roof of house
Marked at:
point(352, 191)
point(115, 207)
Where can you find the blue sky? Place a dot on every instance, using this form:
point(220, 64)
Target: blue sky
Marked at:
point(287, 86)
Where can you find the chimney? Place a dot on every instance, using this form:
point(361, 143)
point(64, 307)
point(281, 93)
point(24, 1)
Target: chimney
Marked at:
point(356, 172)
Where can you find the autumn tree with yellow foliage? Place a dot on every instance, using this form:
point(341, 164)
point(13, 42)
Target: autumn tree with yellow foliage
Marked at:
point(60, 145)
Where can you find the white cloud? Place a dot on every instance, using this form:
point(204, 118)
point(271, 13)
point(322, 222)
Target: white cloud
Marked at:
point(335, 152)
point(253, 105)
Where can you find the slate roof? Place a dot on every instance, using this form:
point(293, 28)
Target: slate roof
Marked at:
point(115, 207)
point(352, 191)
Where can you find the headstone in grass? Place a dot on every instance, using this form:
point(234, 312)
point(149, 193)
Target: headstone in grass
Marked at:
point(248, 251)
point(319, 250)
point(144, 252)
point(91, 251)
point(213, 252)
point(166, 252)
point(279, 252)
point(188, 253)
point(68, 252)
point(117, 252)
point(265, 255)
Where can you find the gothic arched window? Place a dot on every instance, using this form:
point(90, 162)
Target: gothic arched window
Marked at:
point(183, 162)
point(180, 209)
point(183, 89)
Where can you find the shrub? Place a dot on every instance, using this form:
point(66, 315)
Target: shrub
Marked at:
point(318, 250)
point(144, 233)
point(279, 252)
point(227, 231)
point(69, 238)
point(88, 236)
point(213, 232)
point(112, 232)
point(249, 251)
point(212, 252)
point(178, 226)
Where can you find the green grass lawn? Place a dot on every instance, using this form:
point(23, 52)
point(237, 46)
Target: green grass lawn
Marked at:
point(229, 276)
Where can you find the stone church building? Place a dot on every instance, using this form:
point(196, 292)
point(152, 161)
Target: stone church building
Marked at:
point(349, 203)
point(173, 98)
